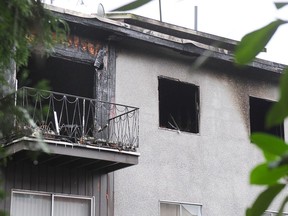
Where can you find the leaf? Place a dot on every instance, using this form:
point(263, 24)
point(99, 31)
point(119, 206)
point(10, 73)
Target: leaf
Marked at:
point(2, 194)
point(279, 110)
point(3, 213)
point(270, 157)
point(269, 143)
point(279, 5)
point(254, 42)
point(264, 200)
point(277, 163)
point(281, 209)
point(132, 5)
point(42, 146)
point(264, 175)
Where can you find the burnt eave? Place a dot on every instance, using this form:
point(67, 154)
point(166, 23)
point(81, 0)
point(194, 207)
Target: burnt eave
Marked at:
point(66, 154)
point(119, 31)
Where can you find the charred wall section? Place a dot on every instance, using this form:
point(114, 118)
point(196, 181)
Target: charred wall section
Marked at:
point(70, 69)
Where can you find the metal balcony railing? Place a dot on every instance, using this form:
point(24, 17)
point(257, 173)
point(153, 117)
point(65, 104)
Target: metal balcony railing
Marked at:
point(73, 119)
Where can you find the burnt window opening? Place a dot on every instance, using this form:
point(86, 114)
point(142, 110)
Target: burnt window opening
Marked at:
point(258, 111)
point(178, 105)
point(63, 76)
point(72, 79)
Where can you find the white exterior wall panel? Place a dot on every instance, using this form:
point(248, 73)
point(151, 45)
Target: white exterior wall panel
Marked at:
point(212, 167)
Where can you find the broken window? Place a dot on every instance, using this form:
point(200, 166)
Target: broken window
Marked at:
point(62, 75)
point(67, 110)
point(258, 111)
point(178, 105)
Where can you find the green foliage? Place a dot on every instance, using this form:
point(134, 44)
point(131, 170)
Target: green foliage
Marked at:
point(269, 144)
point(282, 207)
point(280, 110)
point(263, 174)
point(264, 200)
point(43, 85)
point(280, 5)
point(3, 213)
point(26, 26)
point(257, 41)
point(275, 169)
point(133, 5)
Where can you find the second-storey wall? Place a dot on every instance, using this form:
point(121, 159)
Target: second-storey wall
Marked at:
point(209, 168)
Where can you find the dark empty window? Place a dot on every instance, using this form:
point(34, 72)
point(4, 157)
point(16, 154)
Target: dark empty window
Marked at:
point(178, 105)
point(64, 76)
point(258, 110)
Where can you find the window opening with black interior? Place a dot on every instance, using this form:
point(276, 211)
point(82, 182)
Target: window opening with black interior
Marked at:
point(258, 111)
point(68, 109)
point(178, 105)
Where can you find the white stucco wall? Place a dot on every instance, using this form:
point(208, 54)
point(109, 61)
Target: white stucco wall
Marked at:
point(210, 168)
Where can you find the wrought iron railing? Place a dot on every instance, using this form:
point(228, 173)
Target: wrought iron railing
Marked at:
point(74, 119)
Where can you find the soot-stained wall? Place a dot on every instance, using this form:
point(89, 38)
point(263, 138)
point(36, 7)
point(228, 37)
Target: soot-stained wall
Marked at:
point(210, 167)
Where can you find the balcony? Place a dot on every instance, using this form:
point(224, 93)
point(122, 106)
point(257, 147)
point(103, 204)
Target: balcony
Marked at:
point(97, 135)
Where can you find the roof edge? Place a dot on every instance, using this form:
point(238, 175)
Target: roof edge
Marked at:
point(114, 22)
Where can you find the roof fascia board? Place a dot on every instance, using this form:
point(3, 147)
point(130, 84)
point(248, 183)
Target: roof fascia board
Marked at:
point(186, 32)
point(175, 43)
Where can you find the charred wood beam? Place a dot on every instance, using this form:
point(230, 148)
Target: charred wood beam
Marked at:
point(72, 55)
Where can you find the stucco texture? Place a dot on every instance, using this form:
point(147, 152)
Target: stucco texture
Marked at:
point(210, 168)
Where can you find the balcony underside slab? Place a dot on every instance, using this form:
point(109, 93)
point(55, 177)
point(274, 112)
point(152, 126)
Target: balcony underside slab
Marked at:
point(64, 154)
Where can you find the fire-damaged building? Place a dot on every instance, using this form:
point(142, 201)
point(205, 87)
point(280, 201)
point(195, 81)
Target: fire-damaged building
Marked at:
point(124, 86)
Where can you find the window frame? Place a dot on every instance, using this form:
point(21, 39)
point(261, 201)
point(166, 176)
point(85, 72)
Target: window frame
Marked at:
point(180, 203)
point(274, 213)
point(52, 195)
point(195, 112)
point(280, 127)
